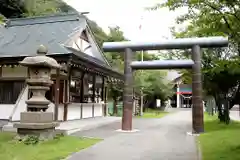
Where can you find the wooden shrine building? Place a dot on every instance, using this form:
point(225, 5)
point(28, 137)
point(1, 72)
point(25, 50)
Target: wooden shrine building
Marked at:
point(79, 88)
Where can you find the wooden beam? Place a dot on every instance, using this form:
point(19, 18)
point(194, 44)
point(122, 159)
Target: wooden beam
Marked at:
point(13, 78)
point(96, 67)
point(15, 60)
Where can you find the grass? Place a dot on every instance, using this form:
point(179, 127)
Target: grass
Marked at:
point(150, 113)
point(56, 149)
point(221, 141)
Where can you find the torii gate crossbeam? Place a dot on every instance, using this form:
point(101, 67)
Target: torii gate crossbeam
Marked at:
point(162, 64)
point(184, 43)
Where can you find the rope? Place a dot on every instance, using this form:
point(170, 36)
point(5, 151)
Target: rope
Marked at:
point(186, 97)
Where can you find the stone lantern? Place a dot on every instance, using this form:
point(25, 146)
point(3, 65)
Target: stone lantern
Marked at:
point(36, 121)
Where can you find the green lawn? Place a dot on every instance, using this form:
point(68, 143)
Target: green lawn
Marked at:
point(220, 141)
point(56, 149)
point(153, 114)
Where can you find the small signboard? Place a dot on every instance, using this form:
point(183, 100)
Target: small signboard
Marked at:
point(158, 103)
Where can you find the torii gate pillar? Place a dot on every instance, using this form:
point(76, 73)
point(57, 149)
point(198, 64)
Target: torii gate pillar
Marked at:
point(127, 92)
point(197, 107)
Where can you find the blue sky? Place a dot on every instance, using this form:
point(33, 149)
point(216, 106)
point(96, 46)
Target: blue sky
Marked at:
point(127, 15)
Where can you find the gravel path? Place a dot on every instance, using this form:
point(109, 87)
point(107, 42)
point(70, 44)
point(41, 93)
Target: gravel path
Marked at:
point(157, 139)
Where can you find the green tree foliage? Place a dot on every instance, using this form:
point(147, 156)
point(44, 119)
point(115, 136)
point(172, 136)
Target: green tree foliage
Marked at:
point(26, 8)
point(153, 84)
point(98, 32)
point(1, 18)
point(45, 7)
point(220, 66)
point(12, 8)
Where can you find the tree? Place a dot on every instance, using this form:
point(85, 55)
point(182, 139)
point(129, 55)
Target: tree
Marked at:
point(1, 18)
point(220, 67)
point(153, 85)
point(26, 8)
point(12, 8)
point(98, 32)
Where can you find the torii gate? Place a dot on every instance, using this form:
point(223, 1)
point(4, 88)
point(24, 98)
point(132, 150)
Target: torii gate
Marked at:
point(182, 43)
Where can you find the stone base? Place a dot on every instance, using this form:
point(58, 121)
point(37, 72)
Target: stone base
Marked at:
point(36, 117)
point(192, 134)
point(41, 130)
point(127, 131)
point(46, 134)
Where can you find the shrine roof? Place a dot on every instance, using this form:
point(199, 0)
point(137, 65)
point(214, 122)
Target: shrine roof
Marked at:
point(22, 36)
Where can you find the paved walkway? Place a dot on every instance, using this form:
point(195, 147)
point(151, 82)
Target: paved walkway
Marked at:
point(85, 124)
point(158, 139)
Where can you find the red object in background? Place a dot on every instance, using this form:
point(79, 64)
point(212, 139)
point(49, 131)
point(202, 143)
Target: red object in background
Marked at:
point(184, 92)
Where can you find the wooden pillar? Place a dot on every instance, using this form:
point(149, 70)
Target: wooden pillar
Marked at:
point(197, 108)
point(128, 91)
point(57, 85)
point(102, 92)
point(28, 76)
point(82, 94)
point(66, 93)
point(105, 100)
point(134, 104)
point(93, 90)
point(82, 88)
point(103, 96)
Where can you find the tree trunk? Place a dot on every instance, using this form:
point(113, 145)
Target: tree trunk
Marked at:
point(219, 108)
point(115, 108)
point(223, 112)
point(226, 112)
point(145, 105)
point(163, 106)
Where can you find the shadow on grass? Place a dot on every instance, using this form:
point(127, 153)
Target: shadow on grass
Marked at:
point(211, 124)
point(220, 141)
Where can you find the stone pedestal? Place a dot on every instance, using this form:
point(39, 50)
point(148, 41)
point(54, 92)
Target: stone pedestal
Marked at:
point(36, 121)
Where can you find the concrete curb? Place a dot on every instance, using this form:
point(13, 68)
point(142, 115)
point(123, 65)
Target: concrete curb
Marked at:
point(71, 131)
point(198, 146)
point(199, 152)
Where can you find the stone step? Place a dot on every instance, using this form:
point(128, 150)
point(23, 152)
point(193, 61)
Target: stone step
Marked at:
point(3, 123)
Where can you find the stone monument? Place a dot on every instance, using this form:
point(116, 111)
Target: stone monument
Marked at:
point(36, 121)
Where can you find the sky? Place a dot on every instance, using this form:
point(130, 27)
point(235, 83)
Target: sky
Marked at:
point(129, 15)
